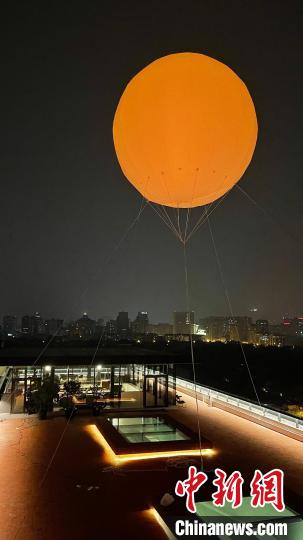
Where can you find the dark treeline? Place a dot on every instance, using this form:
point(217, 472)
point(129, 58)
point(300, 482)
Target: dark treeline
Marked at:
point(277, 372)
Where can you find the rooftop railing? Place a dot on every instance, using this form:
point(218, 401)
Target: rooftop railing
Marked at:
point(246, 406)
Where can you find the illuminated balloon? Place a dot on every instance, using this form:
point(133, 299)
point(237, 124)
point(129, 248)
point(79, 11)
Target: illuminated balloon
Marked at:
point(185, 130)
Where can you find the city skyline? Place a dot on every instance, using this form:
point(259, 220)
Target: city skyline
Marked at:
point(183, 325)
point(65, 205)
point(253, 314)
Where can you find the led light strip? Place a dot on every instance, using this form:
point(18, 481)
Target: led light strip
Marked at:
point(156, 516)
point(123, 458)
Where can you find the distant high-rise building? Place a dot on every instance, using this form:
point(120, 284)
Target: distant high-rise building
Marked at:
point(122, 324)
point(37, 324)
point(287, 324)
point(232, 332)
point(262, 326)
point(32, 325)
point(298, 324)
point(275, 329)
point(99, 329)
point(9, 325)
point(276, 341)
point(184, 322)
point(85, 327)
point(292, 329)
point(111, 329)
point(26, 324)
point(215, 327)
point(53, 326)
point(140, 324)
point(244, 325)
point(239, 329)
point(160, 329)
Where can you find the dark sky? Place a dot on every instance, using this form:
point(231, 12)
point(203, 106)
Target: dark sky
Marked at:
point(64, 203)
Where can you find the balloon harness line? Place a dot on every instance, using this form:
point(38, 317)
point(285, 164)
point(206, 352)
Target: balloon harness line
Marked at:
point(176, 230)
point(192, 350)
point(205, 217)
point(229, 304)
point(184, 236)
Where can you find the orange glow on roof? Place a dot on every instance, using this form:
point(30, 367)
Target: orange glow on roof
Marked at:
point(97, 436)
point(157, 455)
point(95, 433)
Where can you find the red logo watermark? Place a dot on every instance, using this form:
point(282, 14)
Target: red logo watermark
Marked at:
point(228, 489)
point(190, 486)
point(268, 489)
point(264, 488)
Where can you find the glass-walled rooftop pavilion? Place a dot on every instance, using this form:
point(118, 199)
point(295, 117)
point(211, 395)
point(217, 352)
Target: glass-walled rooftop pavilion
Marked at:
point(127, 386)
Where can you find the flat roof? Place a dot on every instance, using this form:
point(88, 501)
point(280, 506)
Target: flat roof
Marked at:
point(121, 353)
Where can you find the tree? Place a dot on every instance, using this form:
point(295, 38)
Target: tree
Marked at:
point(42, 398)
point(72, 387)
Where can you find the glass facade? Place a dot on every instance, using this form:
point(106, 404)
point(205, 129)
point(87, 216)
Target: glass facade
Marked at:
point(127, 386)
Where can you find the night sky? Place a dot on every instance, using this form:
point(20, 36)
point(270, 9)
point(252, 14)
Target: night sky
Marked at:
point(64, 203)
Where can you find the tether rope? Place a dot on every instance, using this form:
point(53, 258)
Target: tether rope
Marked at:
point(51, 460)
point(143, 205)
point(269, 216)
point(187, 223)
point(169, 218)
point(118, 244)
point(67, 424)
point(208, 212)
point(115, 248)
point(220, 268)
point(192, 352)
point(178, 222)
point(157, 211)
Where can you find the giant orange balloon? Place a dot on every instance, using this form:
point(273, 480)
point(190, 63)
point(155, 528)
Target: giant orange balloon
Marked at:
point(185, 130)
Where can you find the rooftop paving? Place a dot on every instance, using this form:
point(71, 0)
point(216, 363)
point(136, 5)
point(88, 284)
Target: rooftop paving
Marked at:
point(79, 492)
